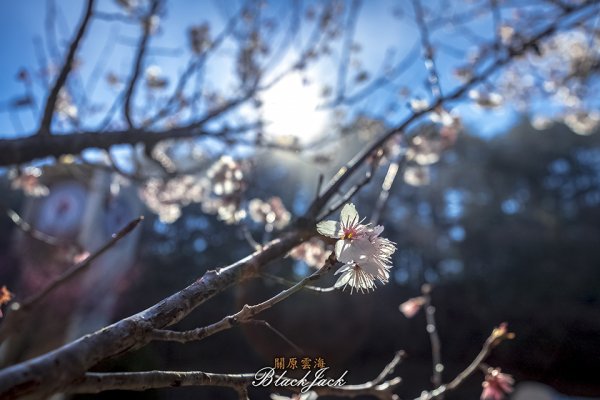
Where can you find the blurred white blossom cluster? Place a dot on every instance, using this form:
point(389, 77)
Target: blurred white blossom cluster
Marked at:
point(486, 98)
point(166, 197)
point(565, 72)
point(155, 78)
point(65, 108)
point(28, 180)
point(219, 191)
point(227, 186)
point(272, 213)
point(424, 146)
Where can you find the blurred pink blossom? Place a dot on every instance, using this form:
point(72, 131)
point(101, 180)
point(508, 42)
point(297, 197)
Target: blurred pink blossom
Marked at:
point(412, 306)
point(312, 252)
point(496, 385)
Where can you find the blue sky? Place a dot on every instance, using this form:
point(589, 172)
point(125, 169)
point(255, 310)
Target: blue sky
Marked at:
point(377, 30)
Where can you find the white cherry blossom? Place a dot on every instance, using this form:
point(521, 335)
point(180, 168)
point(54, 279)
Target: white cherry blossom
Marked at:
point(366, 255)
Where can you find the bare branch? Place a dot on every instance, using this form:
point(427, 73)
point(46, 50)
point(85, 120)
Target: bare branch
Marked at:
point(433, 78)
point(275, 331)
point(137, 66)
point(389, 369)
point(347, 46)
point(287, 282)
point(390, 177)
point(378, 387)
point(193, 66)
point(386, 76)
point(434, 338)
point(46, 122)
point(17, 316)
point(247, 312)
point(497, 20)
point(56, 370)
point(354, 165)
point(21, 150)
point(83, 265)
point(26, 228)
point(498, 335)
point(98, 382)
point(374, 163)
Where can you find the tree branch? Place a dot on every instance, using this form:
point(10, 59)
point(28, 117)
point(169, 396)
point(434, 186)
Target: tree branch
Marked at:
point(433, 78)
point(137, 65)
point(498, 335)
point(55, 371)
point(390, 177)
point(93, 382)
point(83, 265)
point(46, 122)
point(354, 165)
point(58, 369)
point(21, 150)
point(100, 382)
point(244, 315)
point(434, 338)
point(17, 316)
point(26, 228)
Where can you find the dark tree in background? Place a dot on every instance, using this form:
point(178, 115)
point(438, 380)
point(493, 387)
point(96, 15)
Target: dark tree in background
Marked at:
point(237, 136)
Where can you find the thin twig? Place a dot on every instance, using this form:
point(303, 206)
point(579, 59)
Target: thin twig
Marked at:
point(498, 335)
point(389, 369)
point(287, 282)
point(249, 238)
point(81, 266)
point(194, 65)
point(390, 177)
point(433, 76)
point(434, 338)
point(26, 228)
point(346, 49)
point(320, 184)
point(386, 76)
point(497, 21)
point(46, 122)
point(378, 387)
point(18, 315)
point(264, 323)
point(94, 382)
point(137, 66)
point(245, 314)
point(353, 190)
point(354, 165)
